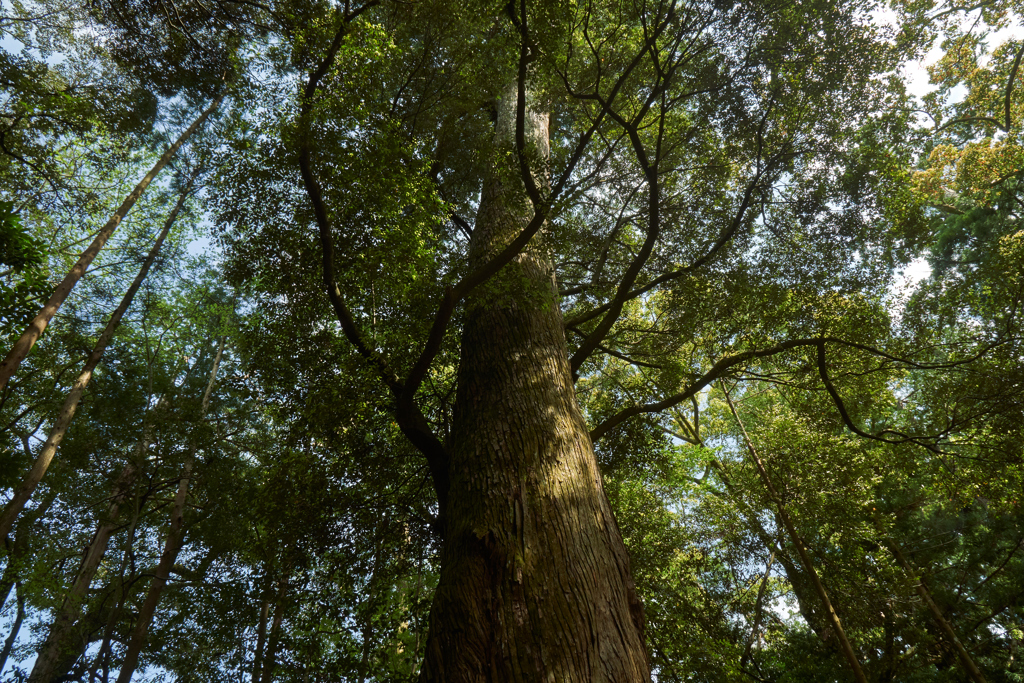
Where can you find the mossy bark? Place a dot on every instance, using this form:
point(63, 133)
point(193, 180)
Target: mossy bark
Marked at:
point(535, 582)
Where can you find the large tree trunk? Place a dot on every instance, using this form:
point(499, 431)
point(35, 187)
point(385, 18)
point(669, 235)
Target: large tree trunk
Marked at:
point(535, 582)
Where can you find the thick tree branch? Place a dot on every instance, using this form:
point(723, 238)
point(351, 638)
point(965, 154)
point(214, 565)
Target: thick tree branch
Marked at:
point(1007, 121)
point(408, 415)
point(717, 370)
point(848, 421)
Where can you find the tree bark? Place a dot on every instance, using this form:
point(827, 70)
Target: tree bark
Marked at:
point(270, 657)
point(62, 629)
point(261, 642)
point(102, 658)
point(18, 549)
point(535, 582)
point(175, 536)
point(67, 411)
point(35, 328)
point(758, 607)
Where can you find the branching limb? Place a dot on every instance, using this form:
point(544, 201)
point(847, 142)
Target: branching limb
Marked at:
point(724, 237)
point(727, 364)
point(408, 415)
point(851, 425)
point(542, 207)
point(1007, 121)
point(718, 370)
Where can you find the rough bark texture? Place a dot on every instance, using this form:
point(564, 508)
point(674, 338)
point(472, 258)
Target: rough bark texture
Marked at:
point(535, 582)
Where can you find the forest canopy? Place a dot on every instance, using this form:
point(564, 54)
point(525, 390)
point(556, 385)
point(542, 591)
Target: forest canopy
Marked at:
point(606, 340)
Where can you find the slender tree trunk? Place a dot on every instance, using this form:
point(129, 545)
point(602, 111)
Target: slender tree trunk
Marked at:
point(24, 344)
point(261, 642)
point(806, 598)
point(947, 629)
point(17, 549)
point(805, 557)
point(269, 658)
point(535, 582)
point(103, 656)
point(71, 666)
point(172, 545)
point(371, 599)
point(15, 628)
point(758, 607)
point(67, 411)
point(62, 629)
point(15, 552)
point(888, 660)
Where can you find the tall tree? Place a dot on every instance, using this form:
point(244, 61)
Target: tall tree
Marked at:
point(521, 507)
point(29, 337)
point(171, 546)
point(496, 251)
point(67, 411)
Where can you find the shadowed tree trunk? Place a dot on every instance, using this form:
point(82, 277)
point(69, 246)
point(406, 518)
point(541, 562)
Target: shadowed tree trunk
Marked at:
point(175, 536)
point(15, 627)
point(274, 641)
point(535, 582)
point(59, 640)
point(261, 642)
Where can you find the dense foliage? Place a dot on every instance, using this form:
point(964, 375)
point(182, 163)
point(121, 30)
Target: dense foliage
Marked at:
point(787, 427)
